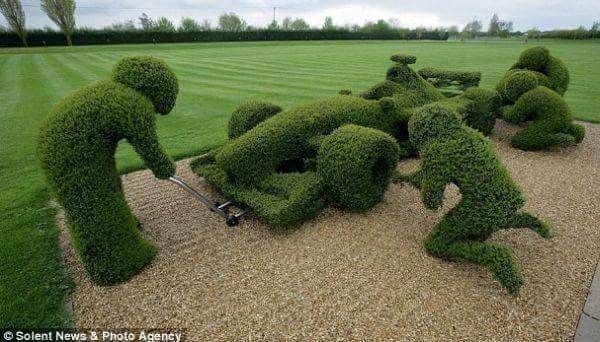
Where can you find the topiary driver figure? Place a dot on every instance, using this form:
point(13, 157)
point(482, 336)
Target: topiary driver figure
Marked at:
point(76, 148)
point(454, 153)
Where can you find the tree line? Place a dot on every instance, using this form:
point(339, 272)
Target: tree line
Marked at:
point(62, 13)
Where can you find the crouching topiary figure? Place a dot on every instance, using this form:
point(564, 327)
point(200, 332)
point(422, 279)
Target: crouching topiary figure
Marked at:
point(454, 153)
point(76, 148)
point(531, 92)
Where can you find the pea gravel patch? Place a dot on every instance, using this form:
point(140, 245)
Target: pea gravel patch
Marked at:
point(356, 275)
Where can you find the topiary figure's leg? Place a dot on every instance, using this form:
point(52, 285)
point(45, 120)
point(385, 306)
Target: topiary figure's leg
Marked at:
point(577, 131)
point(497, 259)
point(526, 220)
point(539, 135)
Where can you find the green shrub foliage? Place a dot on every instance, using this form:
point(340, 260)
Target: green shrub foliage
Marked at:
point(490, 200)
point(460, 80)
point(552, 124)
point(404, 59)
point(273, 168)
point(355, 164)
point(410, 90)
point(531, 92)
point(248, 115)
point(76, 148)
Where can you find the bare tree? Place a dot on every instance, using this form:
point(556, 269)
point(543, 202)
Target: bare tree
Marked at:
point(62, 13)
point(12, 10)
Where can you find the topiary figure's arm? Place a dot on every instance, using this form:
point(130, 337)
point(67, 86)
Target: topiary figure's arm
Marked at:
point(433, 176)
point(142, 136)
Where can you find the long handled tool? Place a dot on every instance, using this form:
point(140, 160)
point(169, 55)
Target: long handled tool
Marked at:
point(222, 209)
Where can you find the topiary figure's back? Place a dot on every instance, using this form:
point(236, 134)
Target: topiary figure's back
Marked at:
point(76, 148)
point(531, 91)
point(490, 200)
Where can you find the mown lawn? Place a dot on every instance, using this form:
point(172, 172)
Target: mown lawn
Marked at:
point(214, 78)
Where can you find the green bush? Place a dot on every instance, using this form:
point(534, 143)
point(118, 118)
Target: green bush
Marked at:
point(534, 63)
point(355, 165)
point(490, 200)
point(248, 115)
point(404, 59)
point(477, 107)
point(552, 123)
point(446, 78)
point(272, 168)
point(287, 135)
point(76, 148)
point(151, 77)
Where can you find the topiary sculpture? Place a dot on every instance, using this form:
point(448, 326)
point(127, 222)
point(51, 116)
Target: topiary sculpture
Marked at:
point(412, 90)
point(531, 91)
point(288, 165)
point(76, 148)
point(454, 153)
point(248, 115)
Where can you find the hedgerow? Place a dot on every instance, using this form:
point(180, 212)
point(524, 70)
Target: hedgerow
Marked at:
point(248, 115)
point(76, 148)
point(531, 91)
point(355, 165)
point(490, 200)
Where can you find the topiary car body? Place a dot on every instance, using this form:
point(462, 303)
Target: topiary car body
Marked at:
point(531, 91)
point(76, 148)
point(411, 90)
point(340, 150)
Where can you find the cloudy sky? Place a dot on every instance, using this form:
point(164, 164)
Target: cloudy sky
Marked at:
point(544, 14)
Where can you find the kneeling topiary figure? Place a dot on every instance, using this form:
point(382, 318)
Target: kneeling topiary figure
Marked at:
point(76, 148)
point(531, 92)
point(454, 153)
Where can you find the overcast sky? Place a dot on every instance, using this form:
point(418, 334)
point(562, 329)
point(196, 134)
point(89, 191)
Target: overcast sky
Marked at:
point(544, 14)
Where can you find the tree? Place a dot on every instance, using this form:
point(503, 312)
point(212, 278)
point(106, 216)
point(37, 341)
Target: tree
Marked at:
point(494, 28)
point(127, 25)
point(299, 25)
point(472, 29)
point(62, 13)
point(146, 22)
point(230, 22)
point(273, 26)
point(206, 25)
point(328, 24)
point(286, 24)
point(506, 28)
point(189, 25)
point(595, 26)
point(12, 10)
point(534, 33)
point(163, 24)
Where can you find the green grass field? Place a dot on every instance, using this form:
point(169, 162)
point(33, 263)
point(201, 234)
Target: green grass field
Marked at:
point(214, 78)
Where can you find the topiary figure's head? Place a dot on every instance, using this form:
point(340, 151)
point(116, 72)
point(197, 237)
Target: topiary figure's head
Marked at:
point(535, 58)
point(517, 84)
point(151, 77)
point(401, 72)
point(431, 122)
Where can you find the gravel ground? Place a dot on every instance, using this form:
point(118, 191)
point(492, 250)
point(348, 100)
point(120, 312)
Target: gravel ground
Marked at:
point(356, 275)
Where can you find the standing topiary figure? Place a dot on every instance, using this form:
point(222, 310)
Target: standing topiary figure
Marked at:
point(76, 148)
point(454, 153)
point(531, 91)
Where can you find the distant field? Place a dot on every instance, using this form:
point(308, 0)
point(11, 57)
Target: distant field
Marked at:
point(214, 78)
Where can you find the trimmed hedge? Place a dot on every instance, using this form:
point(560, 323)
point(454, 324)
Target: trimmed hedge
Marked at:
point(248, 115)
point(273, 168)
point(355, 164)
point(533, 63)
point(490, 200)
point(460, 80)
point(552, 123)
point(287, 135)
point(76, 148)
point(95, 37)
point(410, 90)
point(531, 91)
